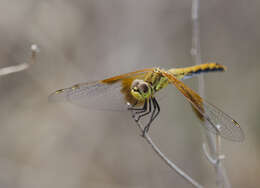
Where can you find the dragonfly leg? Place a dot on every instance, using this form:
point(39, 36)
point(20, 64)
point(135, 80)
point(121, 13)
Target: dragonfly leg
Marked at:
point(144, 109)
point(132, 108)
point(154, 114)
point(158, 109)
point(136, 111)
point(146, 112)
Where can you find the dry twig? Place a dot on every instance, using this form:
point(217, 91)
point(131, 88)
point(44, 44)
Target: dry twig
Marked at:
point(22, 66)
point(166, 160)
point(213, 141)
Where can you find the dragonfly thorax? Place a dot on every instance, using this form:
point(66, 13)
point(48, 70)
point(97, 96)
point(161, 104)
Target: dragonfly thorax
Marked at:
point(156, 79)
point(141, 90)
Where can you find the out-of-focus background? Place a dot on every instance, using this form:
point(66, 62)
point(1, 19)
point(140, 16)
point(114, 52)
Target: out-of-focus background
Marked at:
point(53, 145)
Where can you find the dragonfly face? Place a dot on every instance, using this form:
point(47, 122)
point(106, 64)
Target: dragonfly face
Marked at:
point(138, 89)
point(141, 90)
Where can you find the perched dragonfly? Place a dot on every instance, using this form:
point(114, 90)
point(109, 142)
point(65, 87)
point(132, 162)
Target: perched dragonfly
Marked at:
point(136, 92)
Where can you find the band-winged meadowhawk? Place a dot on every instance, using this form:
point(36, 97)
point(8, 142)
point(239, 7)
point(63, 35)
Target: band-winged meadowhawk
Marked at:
point(136, 91)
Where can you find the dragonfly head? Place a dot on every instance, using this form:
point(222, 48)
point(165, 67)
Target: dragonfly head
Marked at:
point(141, 90)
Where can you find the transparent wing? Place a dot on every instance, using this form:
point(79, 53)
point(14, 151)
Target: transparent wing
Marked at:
point(218, 121)
point(95, 95)
point(100, 95)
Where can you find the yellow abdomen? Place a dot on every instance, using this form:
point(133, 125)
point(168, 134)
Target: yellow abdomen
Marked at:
point(188, 72)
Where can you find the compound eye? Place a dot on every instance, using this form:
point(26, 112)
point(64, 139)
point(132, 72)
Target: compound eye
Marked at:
point(135, 83)
point(144, 87)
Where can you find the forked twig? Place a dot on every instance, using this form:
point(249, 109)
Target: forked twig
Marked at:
point(214, 156)
point(166, 160)
point(22, 66)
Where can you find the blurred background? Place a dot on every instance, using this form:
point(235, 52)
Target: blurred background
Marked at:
point(53, 145)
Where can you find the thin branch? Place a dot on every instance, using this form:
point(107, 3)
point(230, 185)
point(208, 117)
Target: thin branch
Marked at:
point(22, 66)
point(166, 160)
point(213, 141)
point(209, 157)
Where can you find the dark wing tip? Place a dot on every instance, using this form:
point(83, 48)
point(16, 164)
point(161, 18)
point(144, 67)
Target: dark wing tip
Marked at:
point(232, 133)
point(58, 96)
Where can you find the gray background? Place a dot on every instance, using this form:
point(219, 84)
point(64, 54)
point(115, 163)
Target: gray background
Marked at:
point(62, 145)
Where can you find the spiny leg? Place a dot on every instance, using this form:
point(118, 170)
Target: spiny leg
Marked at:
point(146, 112)
point(132, 108)
point(144, 108)
point(153, 116)
point(158, 109)
point(136, 111)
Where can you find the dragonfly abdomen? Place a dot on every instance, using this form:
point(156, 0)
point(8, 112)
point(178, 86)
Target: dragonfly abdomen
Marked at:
point(188, 72)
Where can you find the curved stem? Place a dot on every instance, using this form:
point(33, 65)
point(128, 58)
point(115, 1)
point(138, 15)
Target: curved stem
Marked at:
point(166, 160)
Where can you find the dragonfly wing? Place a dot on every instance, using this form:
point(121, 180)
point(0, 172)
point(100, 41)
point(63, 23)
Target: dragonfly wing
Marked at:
point(108, 94)
point(94, 95)
point(218, 121)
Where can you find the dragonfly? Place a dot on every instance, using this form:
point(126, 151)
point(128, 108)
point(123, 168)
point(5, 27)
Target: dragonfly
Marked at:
point(137, 91)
